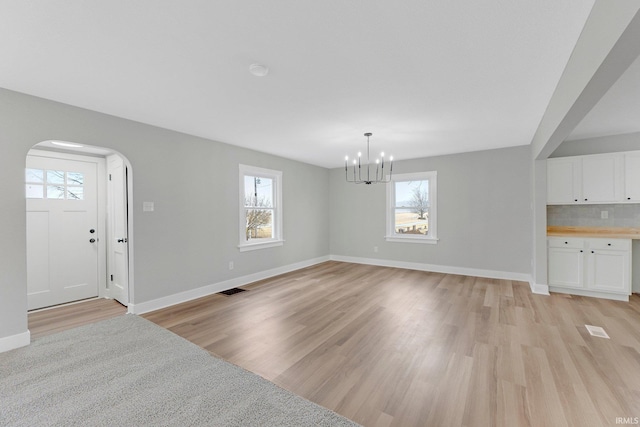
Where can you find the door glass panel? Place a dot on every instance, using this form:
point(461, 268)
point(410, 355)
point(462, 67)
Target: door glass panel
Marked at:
point(55, 177)
point(34, 191)
point(34, 175)
point(55, 191)
point(75, 193)
point(75, 178)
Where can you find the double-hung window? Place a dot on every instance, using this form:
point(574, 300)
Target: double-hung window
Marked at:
point(260, 208)
point(411, 208)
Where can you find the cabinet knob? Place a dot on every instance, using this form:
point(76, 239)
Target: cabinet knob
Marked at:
point(592, 252)
point(566, 243)
point(575, 200)
point(581, 251)
point(628, 198)
point(608, 244)
point(585, 200)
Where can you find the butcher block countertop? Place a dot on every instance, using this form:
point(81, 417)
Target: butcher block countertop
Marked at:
point(607, 232)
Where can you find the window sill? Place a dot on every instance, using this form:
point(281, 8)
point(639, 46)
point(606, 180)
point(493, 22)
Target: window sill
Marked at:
point(261, 245)
point(407, 239)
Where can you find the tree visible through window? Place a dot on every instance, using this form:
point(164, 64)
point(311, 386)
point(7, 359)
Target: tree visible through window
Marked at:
point(259, 207)
point(411, 200)
point(260, 211)
point(412, 207)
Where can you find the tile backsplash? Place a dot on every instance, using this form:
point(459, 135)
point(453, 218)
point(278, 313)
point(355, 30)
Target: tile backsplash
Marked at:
point(622, 215)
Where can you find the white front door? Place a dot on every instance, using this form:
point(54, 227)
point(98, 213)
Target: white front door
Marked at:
point(62, 230)
point(118, 246)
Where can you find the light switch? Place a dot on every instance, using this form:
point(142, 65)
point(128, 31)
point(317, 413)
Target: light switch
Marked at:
point(147, 207)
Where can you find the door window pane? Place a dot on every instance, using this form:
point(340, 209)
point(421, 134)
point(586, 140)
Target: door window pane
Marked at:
point(55, 177)
point(75, 193)
point(34, 175)
point(55, 191)
point(75, 178)
point(34, 191)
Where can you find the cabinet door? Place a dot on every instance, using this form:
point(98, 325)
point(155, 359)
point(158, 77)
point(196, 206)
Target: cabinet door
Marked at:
point(632, 177)
point(563, 180)
point(601, 178)
point(609, 271)
point(566, 267)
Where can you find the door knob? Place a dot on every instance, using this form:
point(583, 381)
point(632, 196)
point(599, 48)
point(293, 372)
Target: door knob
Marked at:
point(92, 240)
point(123, 240)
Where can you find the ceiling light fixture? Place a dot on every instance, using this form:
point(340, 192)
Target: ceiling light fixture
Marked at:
point(66, 144)
point(258, 70)
point(357, 177)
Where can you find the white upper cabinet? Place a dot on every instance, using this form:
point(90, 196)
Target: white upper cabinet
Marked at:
point(632, 176)
point(602, 178)
point(594, 179)
point(563, 180)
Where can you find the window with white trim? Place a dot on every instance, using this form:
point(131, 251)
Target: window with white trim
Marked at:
point(411, 208)
point(260, 208)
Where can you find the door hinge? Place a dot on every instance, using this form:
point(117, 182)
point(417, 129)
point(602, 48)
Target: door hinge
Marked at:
point(112, 277)
point(109, 177)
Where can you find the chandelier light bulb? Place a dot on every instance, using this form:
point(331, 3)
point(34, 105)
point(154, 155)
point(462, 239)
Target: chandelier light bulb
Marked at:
point(359, 154)
point(346, 158)
point(382, 154)
point(391, 158)
point(354, 161)
point(377, 161)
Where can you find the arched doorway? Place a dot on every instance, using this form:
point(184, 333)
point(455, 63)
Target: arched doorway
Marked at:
point(78, 224)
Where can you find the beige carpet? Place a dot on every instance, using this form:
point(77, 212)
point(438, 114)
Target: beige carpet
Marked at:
point(129, 371)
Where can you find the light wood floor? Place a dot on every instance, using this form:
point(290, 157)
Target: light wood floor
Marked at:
point(386, 346)
point(57, 319)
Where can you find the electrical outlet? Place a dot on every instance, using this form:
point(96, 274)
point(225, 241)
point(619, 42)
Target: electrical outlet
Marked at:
point(375, 249)
point(604, 214)
point(230, 265)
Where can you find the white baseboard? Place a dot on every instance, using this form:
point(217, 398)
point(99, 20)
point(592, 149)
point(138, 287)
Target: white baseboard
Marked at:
point(192, 294)
point(15, 341)
point(538, 288)
point(464, 271)
point(588, 293)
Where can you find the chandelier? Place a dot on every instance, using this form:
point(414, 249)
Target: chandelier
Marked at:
point(360, 176)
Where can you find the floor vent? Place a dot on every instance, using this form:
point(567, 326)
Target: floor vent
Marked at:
point(232, 291)
point(597, 331)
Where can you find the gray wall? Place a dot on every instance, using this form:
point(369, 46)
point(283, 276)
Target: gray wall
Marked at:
point(191, 236)
point(484, 213)
point(599, 145)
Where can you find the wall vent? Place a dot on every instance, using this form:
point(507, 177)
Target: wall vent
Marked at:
point(232, 291)
point(597, 331)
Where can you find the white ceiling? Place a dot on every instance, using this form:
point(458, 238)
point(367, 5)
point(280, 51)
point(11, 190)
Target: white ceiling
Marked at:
point(426, 77)
point(617, 112)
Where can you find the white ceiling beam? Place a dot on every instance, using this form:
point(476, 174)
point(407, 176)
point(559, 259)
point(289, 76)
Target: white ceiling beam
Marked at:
point(607, 46)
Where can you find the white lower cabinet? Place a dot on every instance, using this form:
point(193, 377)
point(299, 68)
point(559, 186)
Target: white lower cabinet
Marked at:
point(596, 267)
